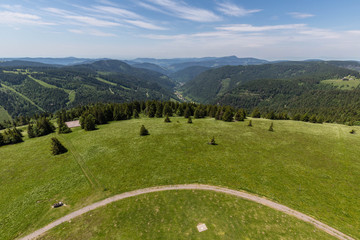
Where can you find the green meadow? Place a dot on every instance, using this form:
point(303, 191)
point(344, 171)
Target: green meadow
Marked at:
point(350, 84)
point(312, 168)
point(176, 214)
point(4, 115)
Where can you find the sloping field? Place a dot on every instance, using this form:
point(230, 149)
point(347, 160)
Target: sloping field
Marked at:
point(4, 115)
point(311, 168)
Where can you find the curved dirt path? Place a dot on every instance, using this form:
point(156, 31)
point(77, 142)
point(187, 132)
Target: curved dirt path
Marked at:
point(241, 194)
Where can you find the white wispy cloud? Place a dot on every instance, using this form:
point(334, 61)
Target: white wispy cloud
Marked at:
point(151, 7)
point(182, 10)
point(145, 25)
point(232, 9)
point(56, 11)
point(117, 11)
point(252, 28)
point(11, 18)
point(15, 7)
point(299, 15)
point(93, 32)
point(106, 2)
point(321, 33)
point(91, 21)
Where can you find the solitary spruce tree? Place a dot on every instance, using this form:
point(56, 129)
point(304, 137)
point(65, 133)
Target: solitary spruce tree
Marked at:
point(212, 141)
point(56, 147)
point(271, 129)
point(143, 131)
point(167, 119)
point(189, 120)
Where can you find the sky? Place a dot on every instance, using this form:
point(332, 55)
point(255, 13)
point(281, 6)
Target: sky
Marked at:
point(128, 29)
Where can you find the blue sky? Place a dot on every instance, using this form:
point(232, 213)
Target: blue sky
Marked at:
point(126, 29)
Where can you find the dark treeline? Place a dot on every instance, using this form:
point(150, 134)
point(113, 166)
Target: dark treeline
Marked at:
point(102, 113)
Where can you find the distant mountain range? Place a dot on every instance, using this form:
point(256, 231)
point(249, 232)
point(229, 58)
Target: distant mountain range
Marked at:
point(28, 87)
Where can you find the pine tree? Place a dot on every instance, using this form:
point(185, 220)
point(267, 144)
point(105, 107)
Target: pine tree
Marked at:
point(88, 123)
point(320, 119)
point(167, 119)
point(313, 119)
point(218, 114)
point(271, 115)
point(136, 114)
point(297, 117)
point(187, 112)
point(151, 110)
point(228, 115)
point(240, 115)
point(305, 117)
point(31, 131)
point(212, 141)
point(256, 113)
point(56, 147)
point(63, 128)
point(271, 129)
point(168, 110)
point(197, 113)
point(1, 140)
point(189, 120)
point(159, 110)
point(250, 123)
point(143, 131)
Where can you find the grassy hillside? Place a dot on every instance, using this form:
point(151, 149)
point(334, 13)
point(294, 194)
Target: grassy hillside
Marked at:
point(4, 115)
point(348, 83)
point(312, 168)
point(175, 215)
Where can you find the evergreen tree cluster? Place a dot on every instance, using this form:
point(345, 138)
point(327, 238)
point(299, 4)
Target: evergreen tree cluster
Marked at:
point(42, 127)
point(62, 127)
point(104, 113)
point(10, 136)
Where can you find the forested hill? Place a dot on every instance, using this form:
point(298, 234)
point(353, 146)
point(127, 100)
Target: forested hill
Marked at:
point(214, 83)
point(45, 88)
point(116, 66)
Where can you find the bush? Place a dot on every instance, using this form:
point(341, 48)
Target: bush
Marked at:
point(189, 120)
point(56, 147)
point(256, 113)
point(88, 122)
point(240, 115)
point(228, 115)
point(352, 131)
point(43, 127)
point(143, 131)
point(167, 119)
point(12, 136)
point(271, 129)
point(1, 140)
point(31, 131)
point(212, 141)
point(63, 128)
